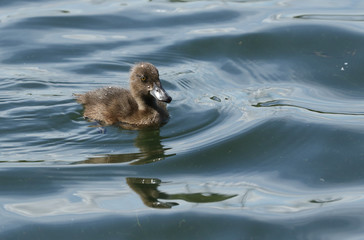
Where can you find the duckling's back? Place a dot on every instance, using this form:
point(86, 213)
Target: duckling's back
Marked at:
point(108, 104)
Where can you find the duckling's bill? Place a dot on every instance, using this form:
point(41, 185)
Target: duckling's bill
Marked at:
point(160, 94)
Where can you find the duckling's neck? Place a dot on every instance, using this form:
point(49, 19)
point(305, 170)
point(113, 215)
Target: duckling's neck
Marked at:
point(146, 101)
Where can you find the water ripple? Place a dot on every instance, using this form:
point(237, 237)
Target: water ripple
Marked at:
point(331, 17)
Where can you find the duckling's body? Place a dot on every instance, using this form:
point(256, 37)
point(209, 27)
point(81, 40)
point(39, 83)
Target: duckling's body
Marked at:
point(142, 106)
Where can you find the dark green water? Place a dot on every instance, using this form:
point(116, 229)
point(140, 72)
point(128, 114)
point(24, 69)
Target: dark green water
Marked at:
point(265, 139)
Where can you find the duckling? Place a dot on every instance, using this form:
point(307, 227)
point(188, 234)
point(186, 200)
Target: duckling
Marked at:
point(144, 105)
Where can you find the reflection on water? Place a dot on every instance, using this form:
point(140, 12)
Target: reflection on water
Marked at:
point(146, 188)
point(98, 199)
point(233, 197)
point(151, 150)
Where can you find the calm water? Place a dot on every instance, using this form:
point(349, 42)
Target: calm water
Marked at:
point(265, 140)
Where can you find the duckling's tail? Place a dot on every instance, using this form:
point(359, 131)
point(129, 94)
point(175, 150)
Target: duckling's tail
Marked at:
point(79, 97)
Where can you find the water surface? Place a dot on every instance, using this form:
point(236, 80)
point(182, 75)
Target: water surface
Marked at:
point(266, 132)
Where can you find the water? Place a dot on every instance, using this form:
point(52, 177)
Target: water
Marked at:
point(265, 139)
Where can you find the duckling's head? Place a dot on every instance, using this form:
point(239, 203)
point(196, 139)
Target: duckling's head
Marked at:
point(144, 82)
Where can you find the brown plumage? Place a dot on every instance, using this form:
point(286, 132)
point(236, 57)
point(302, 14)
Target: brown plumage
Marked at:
point(142, 106)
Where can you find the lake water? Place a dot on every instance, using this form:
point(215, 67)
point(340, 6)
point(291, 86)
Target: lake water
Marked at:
point(265, 140)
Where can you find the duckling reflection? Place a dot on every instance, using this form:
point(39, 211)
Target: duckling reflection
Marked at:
point(147, 189)
point(151, 150)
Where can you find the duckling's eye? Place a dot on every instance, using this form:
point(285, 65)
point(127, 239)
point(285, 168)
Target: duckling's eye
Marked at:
point(143, 78)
